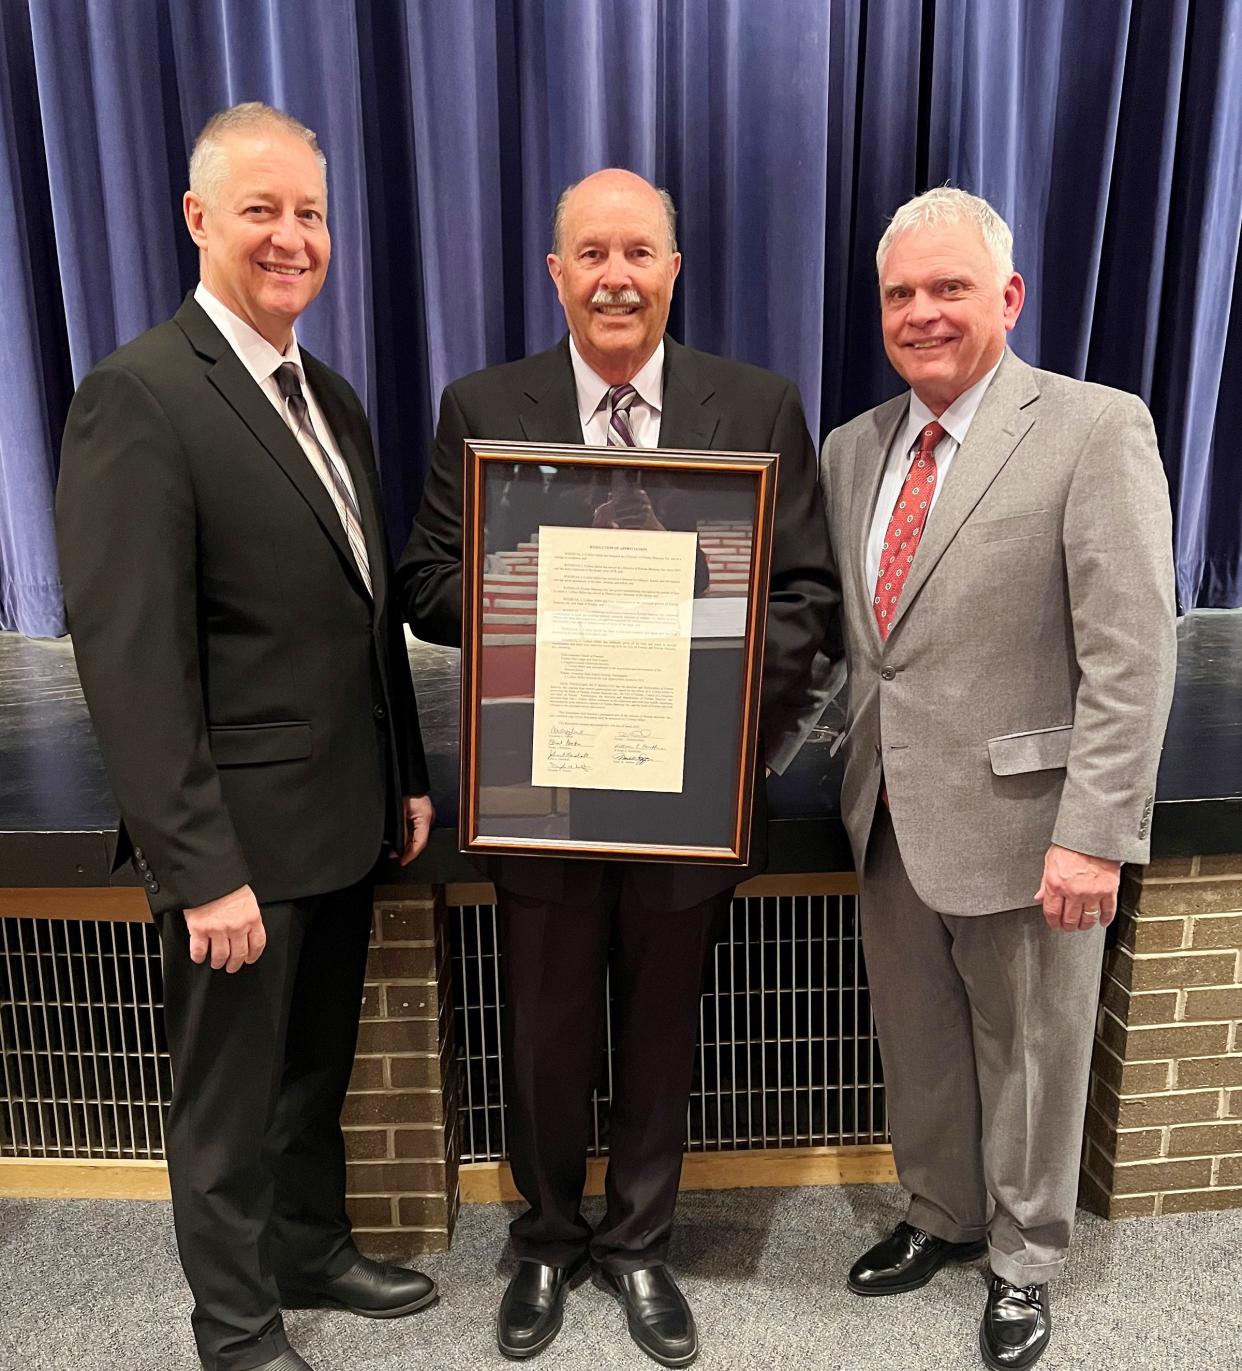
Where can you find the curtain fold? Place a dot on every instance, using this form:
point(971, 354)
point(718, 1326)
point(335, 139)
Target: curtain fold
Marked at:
point(1107, 133)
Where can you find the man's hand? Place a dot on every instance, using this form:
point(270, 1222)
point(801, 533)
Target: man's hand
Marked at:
point(1077, 890)
point(419, 814)
point(629, 507)
point(230, 929)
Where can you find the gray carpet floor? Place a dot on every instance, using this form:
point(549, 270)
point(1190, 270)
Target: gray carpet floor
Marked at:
point(95, 1286)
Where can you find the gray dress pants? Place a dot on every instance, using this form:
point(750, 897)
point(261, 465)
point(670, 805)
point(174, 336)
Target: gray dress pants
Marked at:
point(986, 1026)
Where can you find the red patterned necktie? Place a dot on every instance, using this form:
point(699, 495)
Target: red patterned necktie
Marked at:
point(905, 528)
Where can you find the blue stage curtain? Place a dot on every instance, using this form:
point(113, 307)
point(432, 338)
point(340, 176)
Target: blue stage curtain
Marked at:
point(1107, 133)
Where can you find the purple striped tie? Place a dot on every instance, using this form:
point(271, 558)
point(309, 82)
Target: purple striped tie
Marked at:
point(620, 398)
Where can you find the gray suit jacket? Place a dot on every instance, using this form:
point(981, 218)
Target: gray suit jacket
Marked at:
point(1022, 694)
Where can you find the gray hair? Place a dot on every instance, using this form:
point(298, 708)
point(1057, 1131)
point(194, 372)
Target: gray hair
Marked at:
point(558, 216)
point(209, 159)
point(947, 205)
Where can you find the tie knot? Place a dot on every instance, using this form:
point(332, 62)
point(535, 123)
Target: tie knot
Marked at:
point(620, 398)
point(287, 381)
point(929, 437)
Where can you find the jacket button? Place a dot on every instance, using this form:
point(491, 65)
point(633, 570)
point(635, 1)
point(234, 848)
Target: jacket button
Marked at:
point(153, 887)
point(888, 673)
point(143, 865)
point(380, 712)
point(138, 853)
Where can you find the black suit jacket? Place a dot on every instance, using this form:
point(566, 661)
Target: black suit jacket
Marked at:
point(709, 403)
point(253, 704)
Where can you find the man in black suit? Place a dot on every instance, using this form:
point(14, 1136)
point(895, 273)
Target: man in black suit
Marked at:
point(614, 262)
point(226, 577)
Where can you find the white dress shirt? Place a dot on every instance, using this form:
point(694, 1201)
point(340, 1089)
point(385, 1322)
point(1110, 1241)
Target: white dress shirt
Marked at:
point(262, 360)
point(645, 409)
point(956, 422)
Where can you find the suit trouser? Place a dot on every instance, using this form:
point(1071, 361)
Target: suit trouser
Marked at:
point(986, 1026)
point(555, 958)
point(256, 1159)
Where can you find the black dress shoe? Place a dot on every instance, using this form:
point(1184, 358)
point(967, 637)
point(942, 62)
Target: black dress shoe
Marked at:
point(533, 1305)
point(1017, 1324)
point(659, 1318)
point(907, 1259)
point(376, 1290)
point(287, 1361)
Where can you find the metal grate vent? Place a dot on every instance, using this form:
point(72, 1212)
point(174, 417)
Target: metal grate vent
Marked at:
point(85, 1068)
point(787, 1055)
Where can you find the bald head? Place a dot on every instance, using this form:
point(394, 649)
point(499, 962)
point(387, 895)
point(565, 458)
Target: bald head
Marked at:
point(614, 263)
point(620, 178)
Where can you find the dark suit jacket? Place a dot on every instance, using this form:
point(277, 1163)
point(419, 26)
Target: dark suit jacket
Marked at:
point(253, 704)
point(709, 403)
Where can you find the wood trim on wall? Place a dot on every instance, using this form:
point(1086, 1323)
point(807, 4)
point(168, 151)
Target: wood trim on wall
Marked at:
point(101, 904)
point(492, 1182)
point(75, 1179)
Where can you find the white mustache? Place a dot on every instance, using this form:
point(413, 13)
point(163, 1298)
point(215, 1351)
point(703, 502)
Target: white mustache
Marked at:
point(628, 296)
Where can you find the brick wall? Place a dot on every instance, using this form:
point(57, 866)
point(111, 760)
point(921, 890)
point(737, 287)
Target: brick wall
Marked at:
point(400, 1116)
point(1164, 1118)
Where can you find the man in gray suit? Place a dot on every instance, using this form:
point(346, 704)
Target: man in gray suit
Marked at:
point(1005, 550)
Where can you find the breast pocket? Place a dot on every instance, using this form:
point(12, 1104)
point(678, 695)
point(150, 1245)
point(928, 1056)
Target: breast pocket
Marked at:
point(1034, 523)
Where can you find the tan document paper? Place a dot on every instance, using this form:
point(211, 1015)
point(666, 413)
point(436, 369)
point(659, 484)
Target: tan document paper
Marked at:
point(612, 658)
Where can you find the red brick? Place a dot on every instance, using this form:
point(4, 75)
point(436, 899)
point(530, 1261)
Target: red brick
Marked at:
point(1201, 1071)
point(393, 1106)
point(372, 1003)
point(419, 1143)
point(1203, 1006)
point(401, 1244)
point(400, 1035)
point(363, 1143)
point(1144, 1145)
point(1190, 897)
point(1217, 932)
point(1230, 1172)
point(422, 1211)
point(1201, 1201)
point(1152, 1110)
point(418, 1001)
point(1186, 1040)
point(391, 1178)
point(1211, 1140)
point(1156, 935)
point(415, 1072)
point(1156, 1177)
point(1131, 1207)
point(406, 924)
point(368, 1074)
point(1221, 864)
point(1233, 1104)
point(1204, 968)
point(369, 1211)
point(402, 964)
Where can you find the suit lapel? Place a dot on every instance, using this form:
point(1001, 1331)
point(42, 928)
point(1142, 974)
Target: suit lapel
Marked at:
point(239, 389)
point(998, 427)
point(551, 412)
point(689, 416)
point(870, 459)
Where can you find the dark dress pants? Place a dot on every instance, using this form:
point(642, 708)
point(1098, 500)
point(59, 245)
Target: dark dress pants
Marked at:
point(256, 1159)
point(555, 959)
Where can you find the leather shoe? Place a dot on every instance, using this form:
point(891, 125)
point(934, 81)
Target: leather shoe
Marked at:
point(376, 1290)
point(1017, 1324)
point(907, 1259)
point(659, 1318)
point(287, 1361)
point(533, 1305)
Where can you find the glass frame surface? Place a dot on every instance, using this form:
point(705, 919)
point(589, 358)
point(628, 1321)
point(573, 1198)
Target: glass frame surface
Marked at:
point(678, 478)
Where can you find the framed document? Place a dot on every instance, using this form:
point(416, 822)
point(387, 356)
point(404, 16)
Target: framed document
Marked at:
point(614, 607)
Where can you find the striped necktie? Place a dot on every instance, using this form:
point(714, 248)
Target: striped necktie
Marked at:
point(337, 487)
point(620, 433)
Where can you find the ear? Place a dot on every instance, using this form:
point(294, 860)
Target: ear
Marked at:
point(193, 209)
point(676, 265)
point(557, 272)
point(1014, 295)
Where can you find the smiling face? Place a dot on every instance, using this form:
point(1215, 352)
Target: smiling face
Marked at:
point(263, 239)
point(614, 272)
point(943, 311)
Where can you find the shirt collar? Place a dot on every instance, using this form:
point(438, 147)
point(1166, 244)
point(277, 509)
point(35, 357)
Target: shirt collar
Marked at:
point(593, 389)
point(957, 419)
point(257, 355)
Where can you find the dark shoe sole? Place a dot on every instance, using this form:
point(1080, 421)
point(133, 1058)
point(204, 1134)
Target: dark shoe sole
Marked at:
point(990, 1361)
point(958, 1258)
point(295, 1300)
